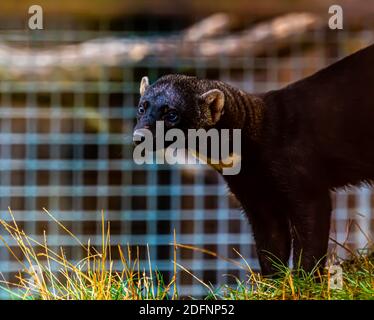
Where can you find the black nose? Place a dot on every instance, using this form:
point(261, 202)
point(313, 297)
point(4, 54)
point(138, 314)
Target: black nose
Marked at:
point(138, 136)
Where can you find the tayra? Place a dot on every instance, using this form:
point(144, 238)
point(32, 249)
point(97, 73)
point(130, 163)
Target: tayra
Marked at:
point(298, 144)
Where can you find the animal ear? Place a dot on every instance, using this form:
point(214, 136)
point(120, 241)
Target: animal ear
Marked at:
point(144, 85)
point(215, 100)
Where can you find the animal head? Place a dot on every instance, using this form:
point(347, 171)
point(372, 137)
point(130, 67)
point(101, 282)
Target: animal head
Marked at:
point(179, 101)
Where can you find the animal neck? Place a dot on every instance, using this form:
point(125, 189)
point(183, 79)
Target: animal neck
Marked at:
point(242, 111)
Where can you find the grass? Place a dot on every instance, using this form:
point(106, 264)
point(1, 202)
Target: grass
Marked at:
point(95, 278)
point(358, 284)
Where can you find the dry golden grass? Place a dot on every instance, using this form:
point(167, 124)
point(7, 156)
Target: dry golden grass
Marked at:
point(91, 278)
point(95, 278)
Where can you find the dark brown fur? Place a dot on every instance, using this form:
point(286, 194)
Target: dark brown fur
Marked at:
point(298, 143)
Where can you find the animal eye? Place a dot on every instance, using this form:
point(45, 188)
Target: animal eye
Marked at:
point(141, 110)
point(142, 107)
point(172, 116)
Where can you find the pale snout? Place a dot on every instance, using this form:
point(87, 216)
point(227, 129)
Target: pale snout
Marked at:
point(139, 136)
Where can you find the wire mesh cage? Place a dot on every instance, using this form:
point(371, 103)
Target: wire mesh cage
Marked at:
point(66, 146)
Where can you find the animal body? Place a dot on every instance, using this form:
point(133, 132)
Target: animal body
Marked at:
point(298, 143)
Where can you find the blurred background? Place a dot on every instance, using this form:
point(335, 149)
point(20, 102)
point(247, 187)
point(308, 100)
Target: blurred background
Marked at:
point(67, 107)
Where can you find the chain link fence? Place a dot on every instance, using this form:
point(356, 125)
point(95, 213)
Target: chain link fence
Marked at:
point(66, 145)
